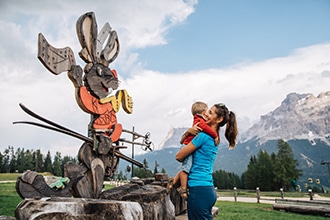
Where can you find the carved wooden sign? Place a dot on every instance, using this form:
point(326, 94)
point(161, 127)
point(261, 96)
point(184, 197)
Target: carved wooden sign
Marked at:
point(99, 155)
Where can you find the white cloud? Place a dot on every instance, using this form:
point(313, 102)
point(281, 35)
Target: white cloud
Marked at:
point(162, 101)
point(250, 90)
point(24, 79)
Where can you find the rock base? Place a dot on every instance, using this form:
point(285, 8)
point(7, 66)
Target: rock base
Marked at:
point(56, 208)
point(131, 201)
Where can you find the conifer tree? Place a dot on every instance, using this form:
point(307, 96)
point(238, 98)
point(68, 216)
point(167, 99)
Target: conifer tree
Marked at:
point(264, 172)
point(285, 167)
point(57, 171)
point(28, 160)
point(48, 163)
point(38, 161)
point(249, 176)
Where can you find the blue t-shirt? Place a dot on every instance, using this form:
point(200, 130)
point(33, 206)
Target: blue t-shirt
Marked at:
point(203, 158)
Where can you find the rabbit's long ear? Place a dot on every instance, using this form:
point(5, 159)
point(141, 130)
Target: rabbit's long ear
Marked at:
point(87, 34)
point(108, 52)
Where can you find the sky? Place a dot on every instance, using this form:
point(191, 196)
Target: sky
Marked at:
point(248, 54)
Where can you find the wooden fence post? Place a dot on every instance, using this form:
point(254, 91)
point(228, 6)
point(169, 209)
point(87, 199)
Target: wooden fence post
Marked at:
point(310, 194)
point(258, 195)
point(235, 194)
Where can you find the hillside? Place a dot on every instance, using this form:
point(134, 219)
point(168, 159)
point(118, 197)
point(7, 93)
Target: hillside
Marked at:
point(302, 120)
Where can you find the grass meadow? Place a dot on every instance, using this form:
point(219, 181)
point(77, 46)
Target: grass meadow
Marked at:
point(257, 211)
point(9, 199)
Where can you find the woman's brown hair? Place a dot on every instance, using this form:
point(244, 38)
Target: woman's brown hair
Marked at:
point(229, 119)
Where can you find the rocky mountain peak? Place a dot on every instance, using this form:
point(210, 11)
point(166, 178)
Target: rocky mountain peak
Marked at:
point(172, 138)
point(300, 116)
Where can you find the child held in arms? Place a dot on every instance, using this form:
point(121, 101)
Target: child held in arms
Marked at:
point(198, 110)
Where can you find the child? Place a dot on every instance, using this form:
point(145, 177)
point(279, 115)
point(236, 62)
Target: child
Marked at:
point(198, 111)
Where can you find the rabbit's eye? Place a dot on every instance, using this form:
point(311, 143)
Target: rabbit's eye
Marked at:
point(99, 71)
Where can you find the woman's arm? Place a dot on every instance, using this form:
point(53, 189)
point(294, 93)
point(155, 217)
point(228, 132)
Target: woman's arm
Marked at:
point(185, 151)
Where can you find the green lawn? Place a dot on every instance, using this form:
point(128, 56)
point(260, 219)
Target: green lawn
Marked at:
point(253, 211)
point(9, 176)
point(9, 199)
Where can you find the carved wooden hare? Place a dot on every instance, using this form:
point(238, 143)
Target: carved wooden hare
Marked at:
point(93, 88)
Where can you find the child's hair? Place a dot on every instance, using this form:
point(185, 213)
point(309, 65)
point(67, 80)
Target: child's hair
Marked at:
point(229, 118)
point(198, 108)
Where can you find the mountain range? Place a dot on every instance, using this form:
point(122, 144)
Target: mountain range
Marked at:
point(303, 120)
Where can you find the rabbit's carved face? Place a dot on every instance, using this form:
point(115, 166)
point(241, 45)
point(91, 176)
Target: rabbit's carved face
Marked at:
point(100, 80)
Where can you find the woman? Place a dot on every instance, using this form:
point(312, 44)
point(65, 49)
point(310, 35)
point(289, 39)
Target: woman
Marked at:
point(202, 194)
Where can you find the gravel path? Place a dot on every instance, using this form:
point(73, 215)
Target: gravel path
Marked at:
point(270, 200)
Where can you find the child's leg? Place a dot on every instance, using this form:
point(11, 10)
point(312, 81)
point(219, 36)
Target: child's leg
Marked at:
point(175, 181)
point(183, 179)
point(184, 182)
point(186, 166)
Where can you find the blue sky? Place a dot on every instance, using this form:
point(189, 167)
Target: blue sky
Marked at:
point(223, 33)
point(249, 54)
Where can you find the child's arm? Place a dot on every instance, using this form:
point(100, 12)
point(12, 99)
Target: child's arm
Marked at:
point(208, 130)
point(193, 131)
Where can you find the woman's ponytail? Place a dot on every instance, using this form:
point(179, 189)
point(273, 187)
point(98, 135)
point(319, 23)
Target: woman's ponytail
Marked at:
point(231, 130)
point(229, 119)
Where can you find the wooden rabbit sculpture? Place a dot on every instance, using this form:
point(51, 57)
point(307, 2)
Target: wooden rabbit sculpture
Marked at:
point(93, 88)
